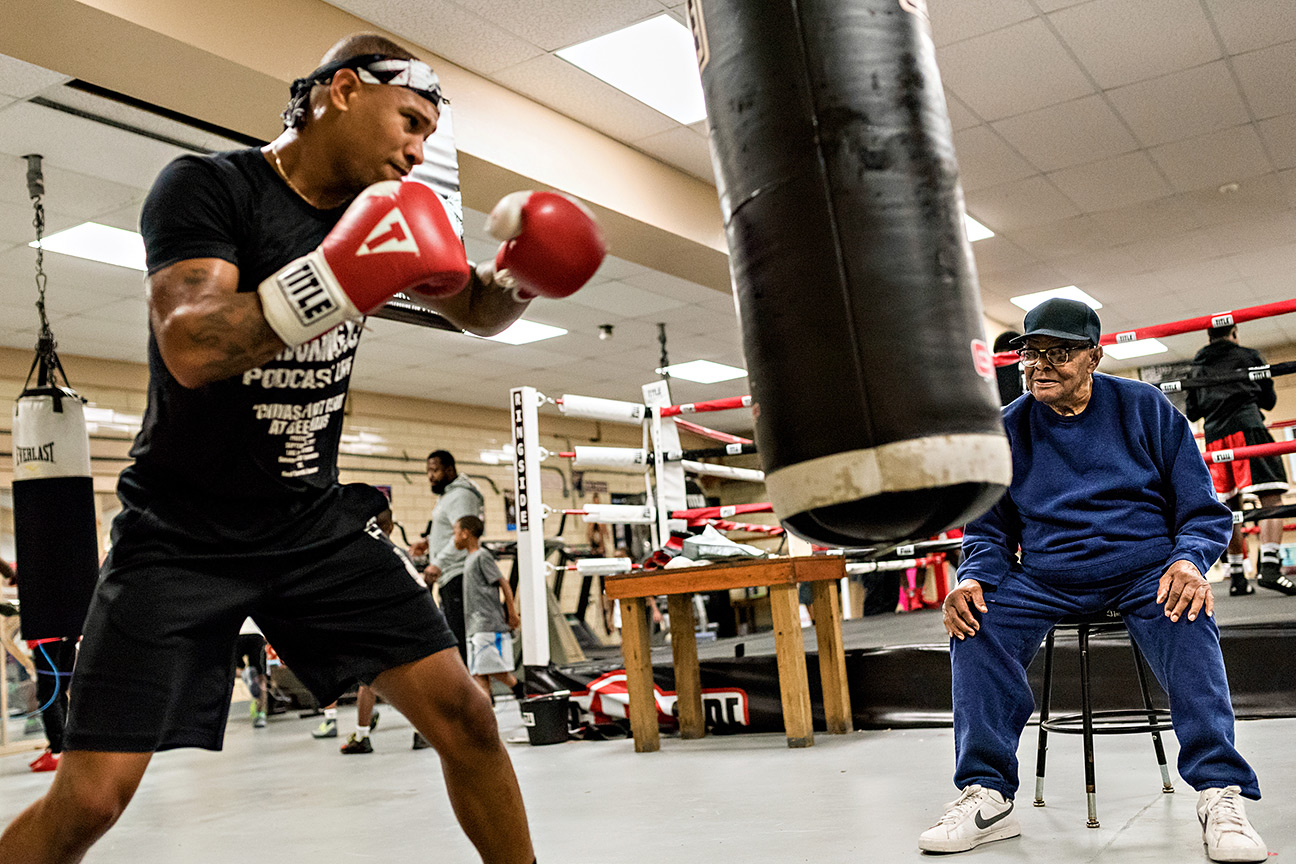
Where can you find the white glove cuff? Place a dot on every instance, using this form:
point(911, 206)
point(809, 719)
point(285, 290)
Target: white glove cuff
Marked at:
point(304, 300)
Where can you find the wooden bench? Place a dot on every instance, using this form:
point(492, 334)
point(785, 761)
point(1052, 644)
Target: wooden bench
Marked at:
point(781, 576)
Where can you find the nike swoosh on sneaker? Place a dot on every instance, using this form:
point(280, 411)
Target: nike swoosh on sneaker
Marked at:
point(986, 823)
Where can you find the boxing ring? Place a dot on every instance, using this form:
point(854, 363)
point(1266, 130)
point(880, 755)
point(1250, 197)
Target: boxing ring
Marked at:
point(883, 655)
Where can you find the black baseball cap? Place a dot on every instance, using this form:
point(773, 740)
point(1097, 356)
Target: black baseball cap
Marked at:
point(1062, 319)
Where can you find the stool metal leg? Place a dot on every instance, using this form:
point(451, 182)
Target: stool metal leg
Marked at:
point(1166, 785)
point(1086, 708)
point(1044, 715)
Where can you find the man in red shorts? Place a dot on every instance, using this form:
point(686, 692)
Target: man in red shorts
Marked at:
point(1233, 419)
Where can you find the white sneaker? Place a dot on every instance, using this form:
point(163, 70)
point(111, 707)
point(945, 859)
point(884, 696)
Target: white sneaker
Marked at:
point(978, 816)
point(1226, 831)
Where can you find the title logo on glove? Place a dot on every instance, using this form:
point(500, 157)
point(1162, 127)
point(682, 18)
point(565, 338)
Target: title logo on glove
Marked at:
point(391, 234)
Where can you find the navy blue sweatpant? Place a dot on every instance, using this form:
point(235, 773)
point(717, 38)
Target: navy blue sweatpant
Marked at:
point(993, 700)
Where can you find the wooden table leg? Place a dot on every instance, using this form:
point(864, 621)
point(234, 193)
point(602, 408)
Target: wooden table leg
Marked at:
point(794, 687)
point(639, 677)
point(832, 658)
point(688, 677)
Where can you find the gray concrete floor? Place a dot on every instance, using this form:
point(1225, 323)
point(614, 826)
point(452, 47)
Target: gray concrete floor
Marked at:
point(276, 794)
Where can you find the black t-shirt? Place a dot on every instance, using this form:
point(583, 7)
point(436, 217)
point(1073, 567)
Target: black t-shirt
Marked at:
point(1229, 408)
point(250, 461)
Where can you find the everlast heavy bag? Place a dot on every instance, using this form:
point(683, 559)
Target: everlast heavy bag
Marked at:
point(874, 400)
point(54, 515)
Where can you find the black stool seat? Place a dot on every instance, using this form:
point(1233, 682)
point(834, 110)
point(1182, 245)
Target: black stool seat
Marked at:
point(1089, 722)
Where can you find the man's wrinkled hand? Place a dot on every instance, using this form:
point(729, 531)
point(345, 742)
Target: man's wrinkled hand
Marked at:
point(419, 547)
point(1184, 588)
point(432, 571)
point(960, 619)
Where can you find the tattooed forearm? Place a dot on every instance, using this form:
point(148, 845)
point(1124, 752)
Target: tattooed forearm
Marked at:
point(206, 330)
point(233, 337)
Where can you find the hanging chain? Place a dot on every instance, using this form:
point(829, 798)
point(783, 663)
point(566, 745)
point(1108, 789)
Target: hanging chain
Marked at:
point(46, 354)
point(661, 339)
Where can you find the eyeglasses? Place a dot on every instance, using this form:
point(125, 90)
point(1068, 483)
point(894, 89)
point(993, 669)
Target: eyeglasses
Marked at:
point(1058, 355)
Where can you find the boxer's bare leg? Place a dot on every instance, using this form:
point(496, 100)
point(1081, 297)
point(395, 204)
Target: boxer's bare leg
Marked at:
point(89, 793)
point(444, 703)
point(364, 705)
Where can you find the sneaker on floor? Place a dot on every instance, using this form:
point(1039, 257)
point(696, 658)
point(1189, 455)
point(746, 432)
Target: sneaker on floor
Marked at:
point(1226, 831)
point(259, 720)
point(373, 720)
point(1277, 582)
point(420, 743)
point(47, 761)
point(977, 816)
point(357, 745)
point(327, 729)
point(1239, 586)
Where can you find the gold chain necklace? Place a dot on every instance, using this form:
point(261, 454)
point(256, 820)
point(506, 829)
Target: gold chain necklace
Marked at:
point(279, 169)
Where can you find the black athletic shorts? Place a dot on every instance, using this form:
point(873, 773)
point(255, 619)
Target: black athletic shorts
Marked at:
point(155, 670)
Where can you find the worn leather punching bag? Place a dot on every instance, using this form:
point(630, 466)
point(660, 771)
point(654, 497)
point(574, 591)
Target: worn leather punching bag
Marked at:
point(874, 400)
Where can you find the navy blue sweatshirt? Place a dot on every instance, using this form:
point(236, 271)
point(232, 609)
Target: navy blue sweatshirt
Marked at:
point(1114, 490)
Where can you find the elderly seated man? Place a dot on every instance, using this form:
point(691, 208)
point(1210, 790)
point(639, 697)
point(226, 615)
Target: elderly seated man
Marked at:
point(1112, 507)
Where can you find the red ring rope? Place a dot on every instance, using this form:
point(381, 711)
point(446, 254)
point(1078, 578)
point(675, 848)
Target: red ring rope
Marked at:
point(723, 512)
point(711, 405)
point(1255, 451)
point(713, 434)
point(1174, 328)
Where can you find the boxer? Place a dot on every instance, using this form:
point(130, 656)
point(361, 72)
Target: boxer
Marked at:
point(261, 267)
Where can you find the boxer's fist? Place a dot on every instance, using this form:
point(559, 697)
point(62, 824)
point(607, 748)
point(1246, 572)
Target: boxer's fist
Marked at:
point(394, 237)
point(552, 245)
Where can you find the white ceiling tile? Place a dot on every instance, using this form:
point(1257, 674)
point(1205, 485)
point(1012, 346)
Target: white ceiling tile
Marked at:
point(1011, 71)
point(1262, 264)
point(1166, 217)
point(554, 24)
point(1246, 25)
point(1027, 280)
point(1259, 197)
point(1021, 204)
point(999, 255)
point(985, 160)
point(1181, 105)
point(1055, 5)
point(126, 218)
point(1279, 135)
point(671, 286)
point(76, 143)
point(955, 20)
point(1199, 275)
point(682, 148)
point(1070, 133)
point(21, 80)
point(16, 223)
point(1094, 267)
point(623, 299)
point(448, 29)
point(560, 85)
point(1267, 78)
point(1120, 42)
point(133, 310)
point(1112, 183)
point(1193, 247)
point(1211, 160)
point(110, 109)
point(66, 191)
point(961, 117)
point(1065, 239)
point(1255, 234)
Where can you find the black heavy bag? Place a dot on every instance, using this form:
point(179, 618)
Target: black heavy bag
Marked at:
point(875, 409)
point(54, 514)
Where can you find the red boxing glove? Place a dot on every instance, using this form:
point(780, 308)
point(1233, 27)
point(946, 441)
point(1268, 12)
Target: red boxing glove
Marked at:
point(394, 237)
point(552, 244)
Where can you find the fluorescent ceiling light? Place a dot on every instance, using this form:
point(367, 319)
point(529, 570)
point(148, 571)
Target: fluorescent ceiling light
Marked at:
point(1070, 292)
point(654, 61)
point(1139, 348)
point(522, 331)
point(703, 371)
point(97, 242)
point(975, 230)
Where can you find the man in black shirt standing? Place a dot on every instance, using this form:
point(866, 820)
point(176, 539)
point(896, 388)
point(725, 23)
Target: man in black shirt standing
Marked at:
point(262, 265)
point(1233, 419)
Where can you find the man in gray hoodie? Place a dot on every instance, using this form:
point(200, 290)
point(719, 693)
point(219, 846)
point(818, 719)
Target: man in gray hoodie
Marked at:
point(459, 497)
